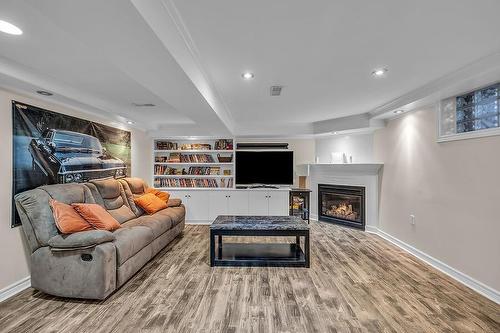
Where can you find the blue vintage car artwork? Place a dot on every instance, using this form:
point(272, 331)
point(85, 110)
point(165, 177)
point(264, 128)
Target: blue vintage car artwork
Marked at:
point(72, 157)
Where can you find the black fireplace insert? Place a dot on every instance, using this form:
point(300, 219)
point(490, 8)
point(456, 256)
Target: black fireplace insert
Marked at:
point(342, 204)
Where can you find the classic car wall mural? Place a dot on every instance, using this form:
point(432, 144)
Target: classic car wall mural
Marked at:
point(68, 157)
point(53, 148)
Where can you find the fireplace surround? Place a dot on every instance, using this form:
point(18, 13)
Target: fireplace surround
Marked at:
point(342, 204)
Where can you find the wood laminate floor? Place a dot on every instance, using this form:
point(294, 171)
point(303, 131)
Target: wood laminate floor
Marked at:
point(357, 282)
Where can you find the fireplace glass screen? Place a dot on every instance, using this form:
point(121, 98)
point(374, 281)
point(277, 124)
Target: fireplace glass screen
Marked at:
point(342, 206)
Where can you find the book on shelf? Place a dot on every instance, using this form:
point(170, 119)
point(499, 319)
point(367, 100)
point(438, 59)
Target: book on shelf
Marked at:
point(166, 145)
point(197, 158)
point(196, 146)
point(223, 144)
point(208, 171)
point(174, 158)
point(185, 182)
point(185, 158)
point(166, 170)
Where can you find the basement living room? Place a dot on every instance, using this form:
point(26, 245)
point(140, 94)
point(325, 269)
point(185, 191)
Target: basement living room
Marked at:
point(250, 166)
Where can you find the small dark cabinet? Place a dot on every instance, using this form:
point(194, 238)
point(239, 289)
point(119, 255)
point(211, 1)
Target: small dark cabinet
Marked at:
point(300, 203)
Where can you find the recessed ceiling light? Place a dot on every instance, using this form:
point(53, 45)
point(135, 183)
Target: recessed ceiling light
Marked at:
point(379, 72)
point(247, 75)
point(130, 122)
point(9, 28)
point(399, 111)
point(44, 93)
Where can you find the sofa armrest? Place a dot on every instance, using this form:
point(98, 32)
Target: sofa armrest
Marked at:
point(80, 240)
point(174, 202)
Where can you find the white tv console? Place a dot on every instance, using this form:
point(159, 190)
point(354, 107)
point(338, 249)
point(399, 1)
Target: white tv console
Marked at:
point(204, 205)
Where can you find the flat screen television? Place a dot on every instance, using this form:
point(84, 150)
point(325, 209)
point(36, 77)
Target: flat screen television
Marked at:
point(264, 167)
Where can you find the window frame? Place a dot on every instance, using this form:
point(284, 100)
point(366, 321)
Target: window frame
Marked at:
point(464, 135)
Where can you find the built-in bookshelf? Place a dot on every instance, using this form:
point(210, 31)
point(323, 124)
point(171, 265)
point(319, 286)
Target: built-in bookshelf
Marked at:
point(181, 163)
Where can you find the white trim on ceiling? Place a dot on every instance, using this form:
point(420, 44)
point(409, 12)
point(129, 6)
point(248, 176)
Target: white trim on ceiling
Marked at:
point(479, 73)
point(185, 52)
point(24, 81)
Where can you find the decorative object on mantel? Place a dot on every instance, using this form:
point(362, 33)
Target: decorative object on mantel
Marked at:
point(336, 157)
point(339, 158)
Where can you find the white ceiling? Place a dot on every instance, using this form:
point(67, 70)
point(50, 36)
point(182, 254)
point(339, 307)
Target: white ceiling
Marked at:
point(187, 56)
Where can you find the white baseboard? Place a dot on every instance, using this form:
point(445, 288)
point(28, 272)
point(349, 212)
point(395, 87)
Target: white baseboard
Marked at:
point(15, 288)
point(463, 278)
point(371, 229)
point(468, 281)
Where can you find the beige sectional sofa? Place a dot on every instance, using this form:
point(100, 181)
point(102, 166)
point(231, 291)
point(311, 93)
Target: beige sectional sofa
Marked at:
point(92, 264)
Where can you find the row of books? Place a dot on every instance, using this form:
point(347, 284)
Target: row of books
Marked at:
point(166, 145)
point(221, 144)
point(166, 170)
point(204, 171)
point(195, 146)
point(185, 182)
point(191, 158)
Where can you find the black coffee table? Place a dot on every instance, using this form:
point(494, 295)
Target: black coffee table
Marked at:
point(259, 254)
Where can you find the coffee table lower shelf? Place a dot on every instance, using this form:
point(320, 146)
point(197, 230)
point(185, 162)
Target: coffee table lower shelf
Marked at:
point(260, 254)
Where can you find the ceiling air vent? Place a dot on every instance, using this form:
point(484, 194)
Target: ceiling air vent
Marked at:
point(276, 90)
point(143, 104)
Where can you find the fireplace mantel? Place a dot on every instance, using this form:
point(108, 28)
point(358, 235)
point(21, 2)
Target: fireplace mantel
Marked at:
point(343, 168)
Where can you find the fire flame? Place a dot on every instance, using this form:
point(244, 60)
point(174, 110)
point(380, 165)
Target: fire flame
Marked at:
point(342, 210)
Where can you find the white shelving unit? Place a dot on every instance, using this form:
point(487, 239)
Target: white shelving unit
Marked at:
point(170, 173)
point(203, 204)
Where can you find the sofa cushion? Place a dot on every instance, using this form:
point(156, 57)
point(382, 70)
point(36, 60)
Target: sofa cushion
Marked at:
point(177, 214)
point(136, 185)
point(159, 222)
point(134, 188)
point(67, 219)
point(160, 194)
point(150, 203)
point(36, 214)
point(110, 194)
point(174, 202)
point(96, 216)
point(130, 240)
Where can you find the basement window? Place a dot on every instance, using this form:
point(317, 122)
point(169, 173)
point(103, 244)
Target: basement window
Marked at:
point(471, 115)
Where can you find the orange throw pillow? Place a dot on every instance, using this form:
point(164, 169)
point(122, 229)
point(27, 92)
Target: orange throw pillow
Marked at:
point(162, 195)
point(150, 203)
point(67, 220)
point(97, 216)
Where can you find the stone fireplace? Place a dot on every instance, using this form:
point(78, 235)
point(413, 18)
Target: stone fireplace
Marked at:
point(342, 204)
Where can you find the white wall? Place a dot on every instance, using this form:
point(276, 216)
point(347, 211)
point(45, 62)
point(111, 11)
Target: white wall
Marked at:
point(14, 258)
point(359, 146)
point(452, 188)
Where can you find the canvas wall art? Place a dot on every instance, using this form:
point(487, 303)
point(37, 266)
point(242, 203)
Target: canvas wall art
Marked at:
point(53, 148)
